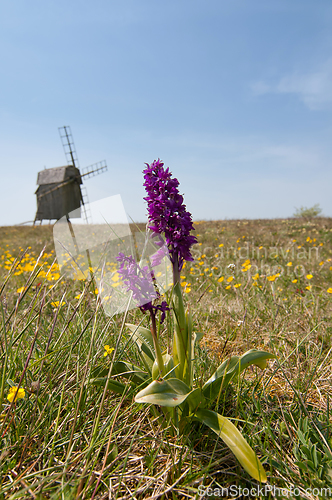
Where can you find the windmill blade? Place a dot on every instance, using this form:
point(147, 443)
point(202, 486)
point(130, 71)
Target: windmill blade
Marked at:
point(95, 169)
point(68, 146)
point(58, 186)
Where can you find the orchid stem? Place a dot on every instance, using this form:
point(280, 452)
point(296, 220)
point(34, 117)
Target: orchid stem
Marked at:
point(159, 357)
point(176, 272)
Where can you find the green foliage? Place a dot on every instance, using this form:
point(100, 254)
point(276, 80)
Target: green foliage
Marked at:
point(172, 385)
point(232, 367)
point(235, 441)
point(308, 213)
point(313, 456)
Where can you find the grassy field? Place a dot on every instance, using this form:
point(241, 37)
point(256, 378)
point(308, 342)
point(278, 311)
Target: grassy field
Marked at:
point(68, 438)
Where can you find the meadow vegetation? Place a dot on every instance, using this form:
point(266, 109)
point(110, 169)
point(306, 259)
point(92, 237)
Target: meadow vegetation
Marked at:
point(263, 284)
point(308, 213)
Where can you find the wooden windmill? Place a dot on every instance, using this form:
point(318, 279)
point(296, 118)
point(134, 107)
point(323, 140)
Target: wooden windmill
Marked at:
point(60, 189)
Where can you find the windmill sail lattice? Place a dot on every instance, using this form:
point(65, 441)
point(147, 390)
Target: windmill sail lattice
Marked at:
point(68, 146)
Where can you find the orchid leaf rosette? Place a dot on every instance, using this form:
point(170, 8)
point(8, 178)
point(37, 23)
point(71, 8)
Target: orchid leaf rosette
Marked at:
point(168, 378)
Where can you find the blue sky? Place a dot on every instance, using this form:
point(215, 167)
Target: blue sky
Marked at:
point(234, 96)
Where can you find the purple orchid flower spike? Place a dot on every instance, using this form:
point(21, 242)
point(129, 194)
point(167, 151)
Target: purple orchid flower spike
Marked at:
point(168, 215)
point(140, 281)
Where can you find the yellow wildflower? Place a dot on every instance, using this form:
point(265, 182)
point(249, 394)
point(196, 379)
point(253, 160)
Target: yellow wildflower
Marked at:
point(14, 394)
point(329, 290)
point(309, 276)
point(221, 279)
point(108, 350)
point(289, 264)
point(230, 279)
point(273, 277)
point(56, 303)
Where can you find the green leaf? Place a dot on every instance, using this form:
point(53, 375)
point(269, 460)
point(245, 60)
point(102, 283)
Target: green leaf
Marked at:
point(235, 441)
point(147, 361)
point(123, 369)
point(255, 357)
point(195, 400)
point(181, 354)
point(301, 437)
point(221, 378)
point(197, 337)
point(233, 367)
point(144, 341)
point(302, 466)
point(168, 364)
point(113, 385)
point(129, 371)
point(171, 392)
point(143, 338)
point(188, 373)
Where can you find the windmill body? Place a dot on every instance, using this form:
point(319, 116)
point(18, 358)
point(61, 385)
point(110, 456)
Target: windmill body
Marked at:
point(59, 189)
point(58, 192)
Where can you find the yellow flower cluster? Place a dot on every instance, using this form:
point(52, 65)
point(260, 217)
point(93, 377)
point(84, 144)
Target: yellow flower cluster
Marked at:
point(273, 277)
point(246, 265)
point(108, 350)
point(47, 270)
point(15, 394)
